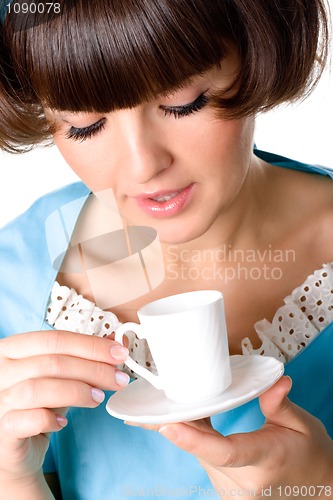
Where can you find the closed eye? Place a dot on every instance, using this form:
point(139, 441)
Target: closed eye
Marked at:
point(187, 109)
point(81, 134)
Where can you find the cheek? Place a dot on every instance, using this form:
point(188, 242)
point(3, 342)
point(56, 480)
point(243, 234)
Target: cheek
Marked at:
point(85, 161)
point(235, 137)
point(71, 152)
point(236, 146)
point(218, 139)
point(228, 153)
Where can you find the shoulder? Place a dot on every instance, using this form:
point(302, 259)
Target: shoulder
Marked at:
point(24, 238)
point(40, 210)
point(26, 266)
point(51, 201)
point(305, 203)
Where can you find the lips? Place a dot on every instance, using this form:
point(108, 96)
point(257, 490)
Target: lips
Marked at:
point(165, 197)
point(165, 203)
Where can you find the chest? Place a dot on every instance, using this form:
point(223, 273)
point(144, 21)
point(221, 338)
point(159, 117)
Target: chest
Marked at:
point(254, 283)
point(252, 290)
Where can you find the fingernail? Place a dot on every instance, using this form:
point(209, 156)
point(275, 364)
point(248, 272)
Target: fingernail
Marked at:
point(97, 395)
point(119, 352)
point(290, 381)
point(62, 421)
point(169, 432)
point(122, 378)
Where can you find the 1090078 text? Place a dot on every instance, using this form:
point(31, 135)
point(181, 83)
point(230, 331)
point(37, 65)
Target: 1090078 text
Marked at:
point(34, 8)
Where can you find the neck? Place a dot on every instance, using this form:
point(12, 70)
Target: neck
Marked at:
point(238, 225)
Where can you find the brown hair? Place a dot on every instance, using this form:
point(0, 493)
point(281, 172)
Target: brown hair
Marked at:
point(111, 54)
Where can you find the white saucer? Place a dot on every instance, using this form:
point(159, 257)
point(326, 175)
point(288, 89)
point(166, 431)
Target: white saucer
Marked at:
point(141, 402)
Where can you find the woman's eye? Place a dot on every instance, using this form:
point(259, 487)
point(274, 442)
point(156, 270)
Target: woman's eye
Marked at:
point(188, 109)
point(81, 134)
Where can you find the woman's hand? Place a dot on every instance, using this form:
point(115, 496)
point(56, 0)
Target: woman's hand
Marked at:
point(291, 449)
point(43, 373)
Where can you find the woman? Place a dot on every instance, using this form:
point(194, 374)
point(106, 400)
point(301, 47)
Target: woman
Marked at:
point(153, 106)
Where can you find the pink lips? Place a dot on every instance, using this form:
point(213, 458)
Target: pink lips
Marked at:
point(165, 204)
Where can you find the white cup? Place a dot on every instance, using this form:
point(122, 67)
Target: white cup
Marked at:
point(187, 338)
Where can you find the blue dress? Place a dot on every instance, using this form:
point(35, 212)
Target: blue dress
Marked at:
point(96, 456)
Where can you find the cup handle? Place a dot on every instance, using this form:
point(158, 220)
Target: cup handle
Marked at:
point(133, 365)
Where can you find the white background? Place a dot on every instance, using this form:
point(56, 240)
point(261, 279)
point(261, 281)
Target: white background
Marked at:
point(303, 132)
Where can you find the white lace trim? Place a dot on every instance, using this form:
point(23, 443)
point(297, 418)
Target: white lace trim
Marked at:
point(305, 313)
point(69, 311)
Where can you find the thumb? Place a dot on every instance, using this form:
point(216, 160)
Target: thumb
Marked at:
point(212, 448)
point(279, 410)
point(237, 450)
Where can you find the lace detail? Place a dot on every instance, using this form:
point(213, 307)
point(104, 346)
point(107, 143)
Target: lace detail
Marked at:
point(67, 310)
point(305, 313)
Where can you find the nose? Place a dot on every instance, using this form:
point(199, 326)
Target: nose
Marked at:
point(143, 146)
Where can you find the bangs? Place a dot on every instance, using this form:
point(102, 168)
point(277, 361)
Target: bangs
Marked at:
point(113, 54)
point(103, 55)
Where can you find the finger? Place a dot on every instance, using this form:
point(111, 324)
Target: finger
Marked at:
point(50, 393)
point(148, 427)
point(210, 446)
point(32, 344)
point(94, 373)
point(21, 424)
point(274, 398)
point(239, 450)
point(279, 410)
point(236, 450)
point(204, 424)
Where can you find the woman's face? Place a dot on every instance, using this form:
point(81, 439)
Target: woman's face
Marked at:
point(171, 163)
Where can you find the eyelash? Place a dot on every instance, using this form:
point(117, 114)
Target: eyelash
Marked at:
point(81, 134)
point(187, 109)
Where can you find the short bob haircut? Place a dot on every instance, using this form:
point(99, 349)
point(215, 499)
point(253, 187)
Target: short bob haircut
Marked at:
point(111, 54)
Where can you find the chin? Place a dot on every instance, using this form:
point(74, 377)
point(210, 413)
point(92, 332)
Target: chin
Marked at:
point(175, 230)
point(179, 235)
